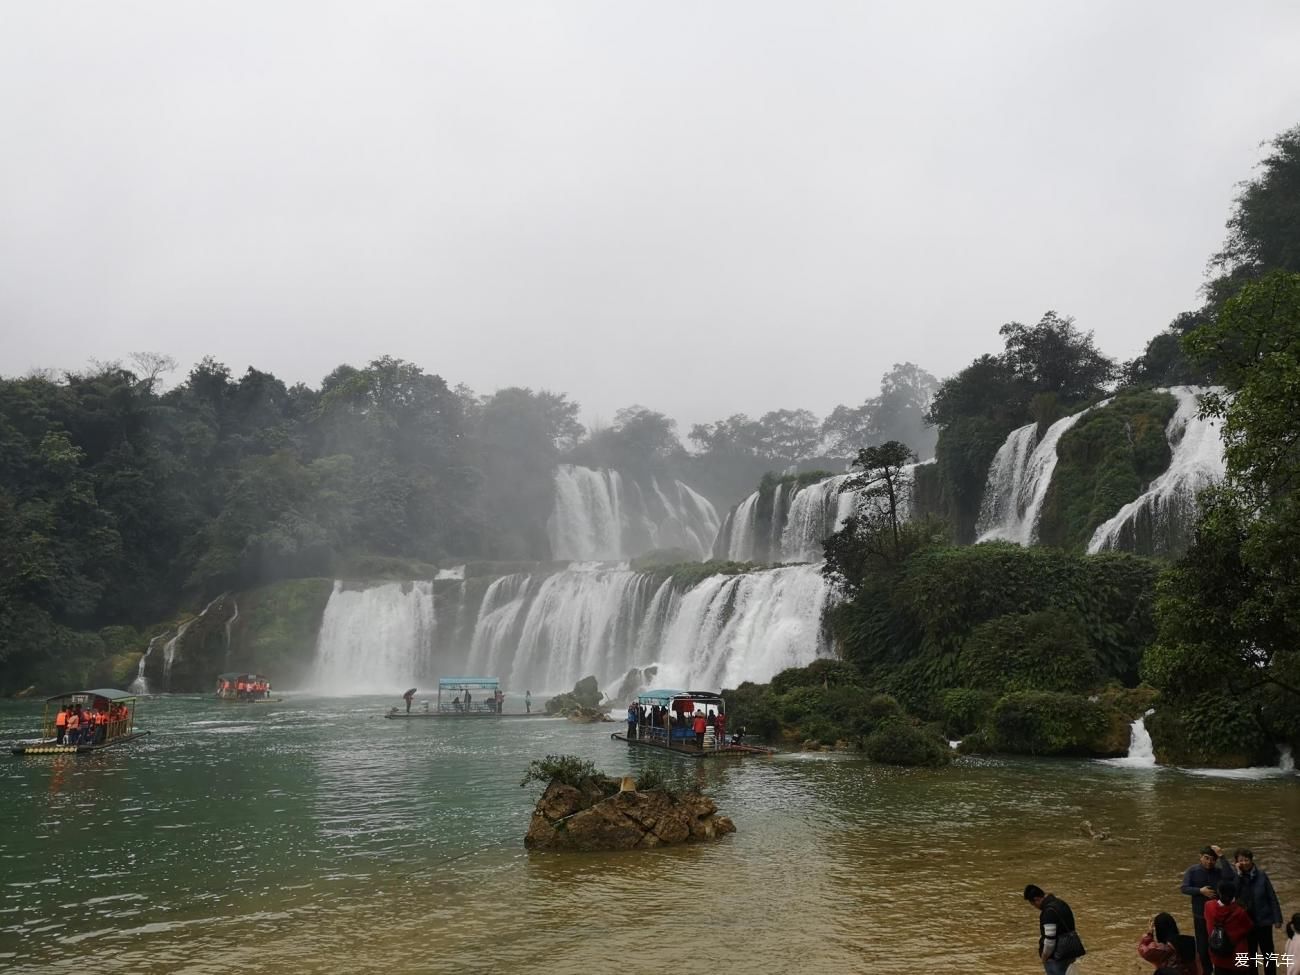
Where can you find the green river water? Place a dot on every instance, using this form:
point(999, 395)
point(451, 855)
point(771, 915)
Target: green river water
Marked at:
point(313, 836)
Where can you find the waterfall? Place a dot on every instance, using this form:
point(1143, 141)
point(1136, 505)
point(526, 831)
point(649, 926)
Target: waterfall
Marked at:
point(1157, 520)
point(1141, 753)
point(169, 651)
point(815, 513)
point(1018, 480)
point(742, 537)
point(1285, 761)
point(377, 640)
point(599, 515)
point(229, 623)
point(545, 631)
point(141, 684)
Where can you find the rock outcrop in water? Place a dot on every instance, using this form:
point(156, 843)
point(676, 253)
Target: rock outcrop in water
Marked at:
point(594, 818)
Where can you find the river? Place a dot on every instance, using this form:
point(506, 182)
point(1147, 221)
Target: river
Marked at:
point(313, 836)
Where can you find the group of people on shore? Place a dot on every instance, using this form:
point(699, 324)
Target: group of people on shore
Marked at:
point(77, 725)
point(1235, 911)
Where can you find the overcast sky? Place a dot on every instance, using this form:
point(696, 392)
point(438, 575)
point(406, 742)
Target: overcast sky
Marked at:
point(702, 207)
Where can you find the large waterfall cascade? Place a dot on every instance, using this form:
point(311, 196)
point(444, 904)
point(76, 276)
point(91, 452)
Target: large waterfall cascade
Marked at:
point(1196, 462)
point(603, 515)
point(545, 631)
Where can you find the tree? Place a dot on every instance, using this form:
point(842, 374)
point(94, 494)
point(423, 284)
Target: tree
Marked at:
point(1264, 227)
point(736, 436)
point(871, 534)
point(789, 436)
point(1055, 357)
point(1229, 611)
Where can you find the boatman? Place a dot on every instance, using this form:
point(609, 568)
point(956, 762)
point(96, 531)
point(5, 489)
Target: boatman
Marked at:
point(632, 715)
point(407, 697)
point(60, 725)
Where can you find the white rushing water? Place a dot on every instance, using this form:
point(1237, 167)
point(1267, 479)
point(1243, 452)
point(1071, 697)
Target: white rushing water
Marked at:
point(799, 522)
point(376, 640)
point(602, 515)
point(1018, 480)
point(141, 683)
point(544, 632)
point(1141, 752)
point(1153, 521)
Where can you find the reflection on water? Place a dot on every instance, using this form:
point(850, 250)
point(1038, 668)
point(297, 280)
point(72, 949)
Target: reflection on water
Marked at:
point(314, 836)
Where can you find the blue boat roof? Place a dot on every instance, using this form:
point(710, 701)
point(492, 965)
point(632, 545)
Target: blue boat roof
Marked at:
point(665, 695)
point(454, 682)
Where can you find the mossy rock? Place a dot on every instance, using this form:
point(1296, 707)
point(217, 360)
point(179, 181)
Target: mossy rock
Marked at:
point(1105, 461)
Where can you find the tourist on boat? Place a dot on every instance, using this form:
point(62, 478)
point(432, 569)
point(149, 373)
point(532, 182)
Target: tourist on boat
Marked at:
point(1199, 883)
point(408, 697)
point(633, 718)
point(60, 725)
point(700, 726)
point(1166, 949)
point(720, 728)
point(467, 699)
point(528, 702)
point(1257, 896)
point(1058, 939)
point(1223, 911)
point(456, 703)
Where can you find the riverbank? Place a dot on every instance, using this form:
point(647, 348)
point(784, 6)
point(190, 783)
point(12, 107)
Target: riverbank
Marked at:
point(315, 834)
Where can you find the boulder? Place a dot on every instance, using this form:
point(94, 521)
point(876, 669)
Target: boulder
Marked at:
point(596, 818)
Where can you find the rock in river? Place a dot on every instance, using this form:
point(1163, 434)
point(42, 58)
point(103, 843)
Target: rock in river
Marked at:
point(567, 818)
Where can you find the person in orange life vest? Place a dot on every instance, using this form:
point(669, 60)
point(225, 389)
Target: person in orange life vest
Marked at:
point(101, 720)
point(74, 727)
point(60, 725)
point(1236, 923)
point(720, 728)
point(701, 723)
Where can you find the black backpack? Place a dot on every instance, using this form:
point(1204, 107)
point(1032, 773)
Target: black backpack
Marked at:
point(1219, 941)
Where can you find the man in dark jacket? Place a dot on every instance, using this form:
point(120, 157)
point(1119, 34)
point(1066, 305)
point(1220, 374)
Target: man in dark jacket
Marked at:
point(1055, 919)
point(1200, 882)
point(1259, 899)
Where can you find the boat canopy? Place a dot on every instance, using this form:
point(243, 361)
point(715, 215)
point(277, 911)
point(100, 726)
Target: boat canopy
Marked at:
point(667, 696)
point(108, 693)
point(462, 683)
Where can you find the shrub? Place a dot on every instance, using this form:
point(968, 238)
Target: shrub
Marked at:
point(1043, 723)
point(963, 710)
point(565, 769)
point(1039, 651)
point(899, 743)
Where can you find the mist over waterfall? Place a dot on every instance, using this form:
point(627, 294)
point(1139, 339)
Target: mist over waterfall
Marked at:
point(545, 631)
point(602, 515)
point(376, 640)
point(1158, 520)
point(1018, 480)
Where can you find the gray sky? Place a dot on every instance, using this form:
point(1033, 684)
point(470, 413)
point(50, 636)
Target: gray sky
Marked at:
point(703, 207)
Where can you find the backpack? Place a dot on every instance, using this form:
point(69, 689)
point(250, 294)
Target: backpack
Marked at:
point(1219, 941)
